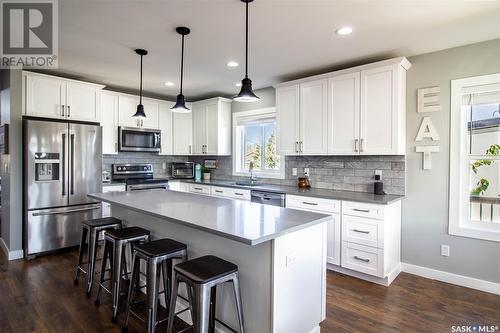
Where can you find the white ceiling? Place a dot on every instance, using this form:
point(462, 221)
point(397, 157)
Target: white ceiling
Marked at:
point(288, 39)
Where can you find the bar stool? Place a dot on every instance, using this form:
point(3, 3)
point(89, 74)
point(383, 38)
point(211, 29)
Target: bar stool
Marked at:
point(92, 229)
point(158, 255)
point(115, 242)
point(203, 275)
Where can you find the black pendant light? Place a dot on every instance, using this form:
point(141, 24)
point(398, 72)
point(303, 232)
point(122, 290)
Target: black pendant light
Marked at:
point(246, 93)
point(180, 105)
point(140, 108)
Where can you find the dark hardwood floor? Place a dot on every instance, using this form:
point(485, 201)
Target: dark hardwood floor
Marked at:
point(39, 296)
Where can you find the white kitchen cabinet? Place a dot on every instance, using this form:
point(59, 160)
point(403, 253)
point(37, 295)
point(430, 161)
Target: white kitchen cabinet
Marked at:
point(165, 125)
point(325, 206)
point(151, 108)
point(313, 118)
point(109, 122)
point(212, 127)
point(365, 111)
point(343, 114)
point(182, 132)
point(199, 189)
point(127, 106)
point(58, 98)
point(287, 116)
point(230, 193)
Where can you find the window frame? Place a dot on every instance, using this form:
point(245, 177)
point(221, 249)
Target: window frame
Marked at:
point(459, 193)
point(254, 115)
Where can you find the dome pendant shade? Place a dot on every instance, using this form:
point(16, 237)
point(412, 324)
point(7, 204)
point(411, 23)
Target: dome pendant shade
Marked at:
point(140, 108)
point(180, 105)
point(246, 93)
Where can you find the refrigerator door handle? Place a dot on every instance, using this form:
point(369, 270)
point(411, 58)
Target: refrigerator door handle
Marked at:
point(64, 164)
point(66, 211)
point(72, 166)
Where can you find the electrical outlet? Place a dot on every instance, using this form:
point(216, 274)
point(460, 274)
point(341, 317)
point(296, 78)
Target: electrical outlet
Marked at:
point(445, 250)
point(378, 173)
point(306, 171)
point(164, 165)
point(294, 171)
point(290, 259)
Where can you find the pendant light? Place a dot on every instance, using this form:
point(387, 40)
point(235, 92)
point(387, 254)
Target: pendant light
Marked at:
point(180, 105)
point(140, 108)
point(246, 93)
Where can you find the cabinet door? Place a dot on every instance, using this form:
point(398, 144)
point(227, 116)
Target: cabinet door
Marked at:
point(313, 118)
point(182, 130)
point(343, 114)
point(45, 97)
point(199, 129)
point(82, 102)
point(109, 122)
point(333, 240)
point(127, 106)
point(212, 127)
point(287, 113)
point(378, 121)
point(151, 108)
point(165, 125)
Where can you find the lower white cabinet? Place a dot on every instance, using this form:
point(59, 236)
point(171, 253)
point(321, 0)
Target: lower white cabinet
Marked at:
point(325, 206)
point(200, 189)
point(231, 193)
point(106, 207)
point(364, 259)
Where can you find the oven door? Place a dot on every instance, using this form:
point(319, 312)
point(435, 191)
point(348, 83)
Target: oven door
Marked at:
point(143, 187)
point(139, 139)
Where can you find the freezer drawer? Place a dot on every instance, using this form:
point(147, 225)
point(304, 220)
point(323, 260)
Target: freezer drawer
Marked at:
point(52, 229)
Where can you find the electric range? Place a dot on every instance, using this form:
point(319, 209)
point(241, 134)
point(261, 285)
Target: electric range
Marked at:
point(137, 176)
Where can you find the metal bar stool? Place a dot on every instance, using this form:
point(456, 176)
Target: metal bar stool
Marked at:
point(91, 230)
point(115, 242)
point(202, 275)
point(158, 255)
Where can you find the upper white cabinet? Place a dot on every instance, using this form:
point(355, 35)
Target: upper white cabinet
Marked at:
point(302, 118)
point(165, 125)
point(182, 132)
point(127, 106)
point(57, 98)
point(109, 122)
point(356, 111)
point(212, 127)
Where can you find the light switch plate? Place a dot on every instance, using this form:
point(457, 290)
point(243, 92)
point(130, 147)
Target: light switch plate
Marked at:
point(306, 171)
point(445, 250)
point(290, 259)
point(294, 171)
point(378, 173)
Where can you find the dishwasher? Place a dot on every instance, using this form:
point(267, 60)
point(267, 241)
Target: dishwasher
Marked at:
point(268, 198)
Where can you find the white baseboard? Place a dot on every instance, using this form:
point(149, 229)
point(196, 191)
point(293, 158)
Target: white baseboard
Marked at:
point(11, 255)
point(370, 278)
point(459, 280)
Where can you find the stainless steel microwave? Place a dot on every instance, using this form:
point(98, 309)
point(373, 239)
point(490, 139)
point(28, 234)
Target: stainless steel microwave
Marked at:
point(139, 139)
point(183, 170)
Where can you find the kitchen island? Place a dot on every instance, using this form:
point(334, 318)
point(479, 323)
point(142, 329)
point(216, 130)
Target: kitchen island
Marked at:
point(280, 253)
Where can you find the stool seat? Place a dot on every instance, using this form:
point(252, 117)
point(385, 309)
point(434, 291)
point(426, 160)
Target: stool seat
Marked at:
point(125, 233)
point(205, 269)
point(160, 247)
point(102, 222)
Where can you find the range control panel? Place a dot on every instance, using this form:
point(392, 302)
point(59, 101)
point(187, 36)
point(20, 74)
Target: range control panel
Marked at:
point(122, 169)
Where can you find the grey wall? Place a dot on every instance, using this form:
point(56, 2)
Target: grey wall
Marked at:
point(425, 210)
point(11, 164)
point(267, 100)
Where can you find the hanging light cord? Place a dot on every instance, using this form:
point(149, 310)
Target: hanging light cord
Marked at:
point(246, 45)
point(140, 94)
point(182, 60)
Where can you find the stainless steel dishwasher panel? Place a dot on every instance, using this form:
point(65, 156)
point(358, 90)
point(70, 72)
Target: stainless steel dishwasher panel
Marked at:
point(268, 198)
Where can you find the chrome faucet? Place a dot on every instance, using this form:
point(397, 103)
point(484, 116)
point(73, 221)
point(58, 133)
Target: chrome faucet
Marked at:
point(253, 178)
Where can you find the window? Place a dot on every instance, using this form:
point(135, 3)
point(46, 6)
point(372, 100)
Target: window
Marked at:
point(475, 157)
point(255, 141)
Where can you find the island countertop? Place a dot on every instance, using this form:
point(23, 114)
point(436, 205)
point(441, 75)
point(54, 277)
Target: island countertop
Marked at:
point(242, 221)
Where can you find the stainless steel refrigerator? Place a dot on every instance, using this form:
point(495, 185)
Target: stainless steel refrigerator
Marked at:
point(62, 164)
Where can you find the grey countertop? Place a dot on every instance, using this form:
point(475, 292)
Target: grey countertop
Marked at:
point(310, 192)
point(242, 221)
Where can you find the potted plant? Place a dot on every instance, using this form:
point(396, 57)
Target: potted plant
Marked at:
point(206, 173)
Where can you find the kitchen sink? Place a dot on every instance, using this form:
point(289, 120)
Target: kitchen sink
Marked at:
point(247, 183)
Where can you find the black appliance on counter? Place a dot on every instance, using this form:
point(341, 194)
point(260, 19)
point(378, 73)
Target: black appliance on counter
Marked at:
point(183, 170)
point(137, 176)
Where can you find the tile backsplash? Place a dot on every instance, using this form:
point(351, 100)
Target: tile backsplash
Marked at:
point(349, 173)
point(155, 159)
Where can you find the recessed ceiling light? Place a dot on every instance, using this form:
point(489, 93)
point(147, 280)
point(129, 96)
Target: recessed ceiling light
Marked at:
point(343, 31)
point(238, 84)
point(169, 84)
point(232, 64)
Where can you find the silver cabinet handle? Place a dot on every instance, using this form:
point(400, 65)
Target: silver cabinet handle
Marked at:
point(356, 145)
point(361, 231)
point(69, 111)
point(198, 188)
point(361, 259)
point(309, 203)
point(296, 146)
point(189, 149)
point(235, 193)
point(66, 211)
point(62, 111)
point(219, 191)
point(116, 146)
point(361, 149)
point(301, 146)
point(361, 210)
